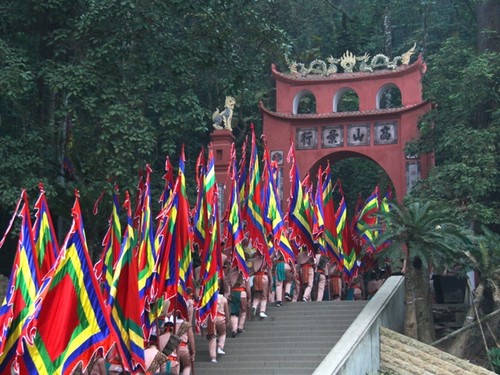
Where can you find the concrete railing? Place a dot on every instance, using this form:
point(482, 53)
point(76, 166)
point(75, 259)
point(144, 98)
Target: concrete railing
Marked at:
point(358, 350)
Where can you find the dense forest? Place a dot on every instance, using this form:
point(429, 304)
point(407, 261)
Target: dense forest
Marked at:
point(92, 90)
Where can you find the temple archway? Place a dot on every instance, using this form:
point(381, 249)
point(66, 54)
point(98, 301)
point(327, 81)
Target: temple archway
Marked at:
point(375, 130)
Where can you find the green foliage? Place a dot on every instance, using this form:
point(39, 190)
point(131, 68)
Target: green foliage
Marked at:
point(367, 174)
point(484, 258)
point(494, 358)
point(349, 102)
point(423, 231)
point(112, 85)
point(463, 131)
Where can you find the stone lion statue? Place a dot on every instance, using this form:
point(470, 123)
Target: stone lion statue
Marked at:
point(222, 120)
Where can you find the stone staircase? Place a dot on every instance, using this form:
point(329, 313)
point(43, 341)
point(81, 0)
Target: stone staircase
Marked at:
point(294, 339)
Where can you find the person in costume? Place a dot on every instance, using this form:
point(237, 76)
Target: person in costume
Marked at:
point(336, 282)
point(239, 301)
point(306, 261)
point(321, 261)
point(262, 276)
point(356, 288)
point(156, 361)
point(217, 328)
point(280, 274)
point(186, 351)
point(292, 284)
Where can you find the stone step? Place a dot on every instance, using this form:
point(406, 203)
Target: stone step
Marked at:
point(312, 311)
point(256, 346)
point(276, 340)
point(256, 362)
point(294, 339)
point(285, 335)
point(290, 358)
point(329, 321)
point(244, 349)
point(292, 315)
point(256, 370)
point(319, 306)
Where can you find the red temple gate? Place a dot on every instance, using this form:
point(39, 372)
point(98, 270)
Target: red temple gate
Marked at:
point(372, 131)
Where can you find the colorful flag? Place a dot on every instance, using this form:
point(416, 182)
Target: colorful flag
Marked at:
point(123, 298)
point(146, 249)
point(22, 289)
point(174, 263)
point(46, 246)
point(104, 268)
point(330, 228)
point(274, 214)
point(168, 177)
point(183, 244)
point(366, 220)
point(70, 322)
point(139, 199)
point(344, 239)
point(211, 267)
point(254, 204)
point(167, 262)
point(319, 216)
point(242, 174)
point(300, 218)
point(236, 235)
point(385, 208)
point(200, 215)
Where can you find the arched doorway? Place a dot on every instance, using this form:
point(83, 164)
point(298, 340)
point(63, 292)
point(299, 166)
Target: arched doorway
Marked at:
point(358, 174)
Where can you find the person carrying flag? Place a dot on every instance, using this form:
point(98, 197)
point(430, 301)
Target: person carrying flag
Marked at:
point(217, 339)
point(262, 278)
point(336, 281)
point(321, 261)
point(306, 261)
point(239, 300)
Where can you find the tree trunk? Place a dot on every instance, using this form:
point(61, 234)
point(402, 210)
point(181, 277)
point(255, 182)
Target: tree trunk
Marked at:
point(387, 32)
point(411, 315)
point(460, 343)
point(419, 322)
point(494, 323)
point(488, 25)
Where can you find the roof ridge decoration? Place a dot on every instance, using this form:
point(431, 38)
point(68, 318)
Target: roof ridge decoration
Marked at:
point(348, 62)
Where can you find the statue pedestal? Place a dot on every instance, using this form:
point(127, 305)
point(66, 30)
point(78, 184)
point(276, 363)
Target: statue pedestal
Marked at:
point(221, 146)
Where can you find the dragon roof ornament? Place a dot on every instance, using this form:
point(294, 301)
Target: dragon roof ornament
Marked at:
point(349, 62)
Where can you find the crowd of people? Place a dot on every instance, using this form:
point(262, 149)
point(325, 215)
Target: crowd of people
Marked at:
point(171, 349)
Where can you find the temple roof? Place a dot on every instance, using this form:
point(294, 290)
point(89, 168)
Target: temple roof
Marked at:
point(400, 70)
point(337, 115)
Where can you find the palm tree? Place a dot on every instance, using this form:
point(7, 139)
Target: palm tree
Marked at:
point(426, 237)
point(484, 258)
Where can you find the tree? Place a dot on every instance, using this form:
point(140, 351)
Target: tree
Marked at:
point(92, 91)
point(484, 258)
point(423, 236)
point(464, 132)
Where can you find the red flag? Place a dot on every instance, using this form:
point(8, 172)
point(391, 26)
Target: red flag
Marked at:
point(58, 339)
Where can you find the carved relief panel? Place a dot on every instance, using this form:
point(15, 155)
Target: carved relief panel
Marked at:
point(306, 139)
point(386, 133)
point(332, 136)
point(358, 135)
